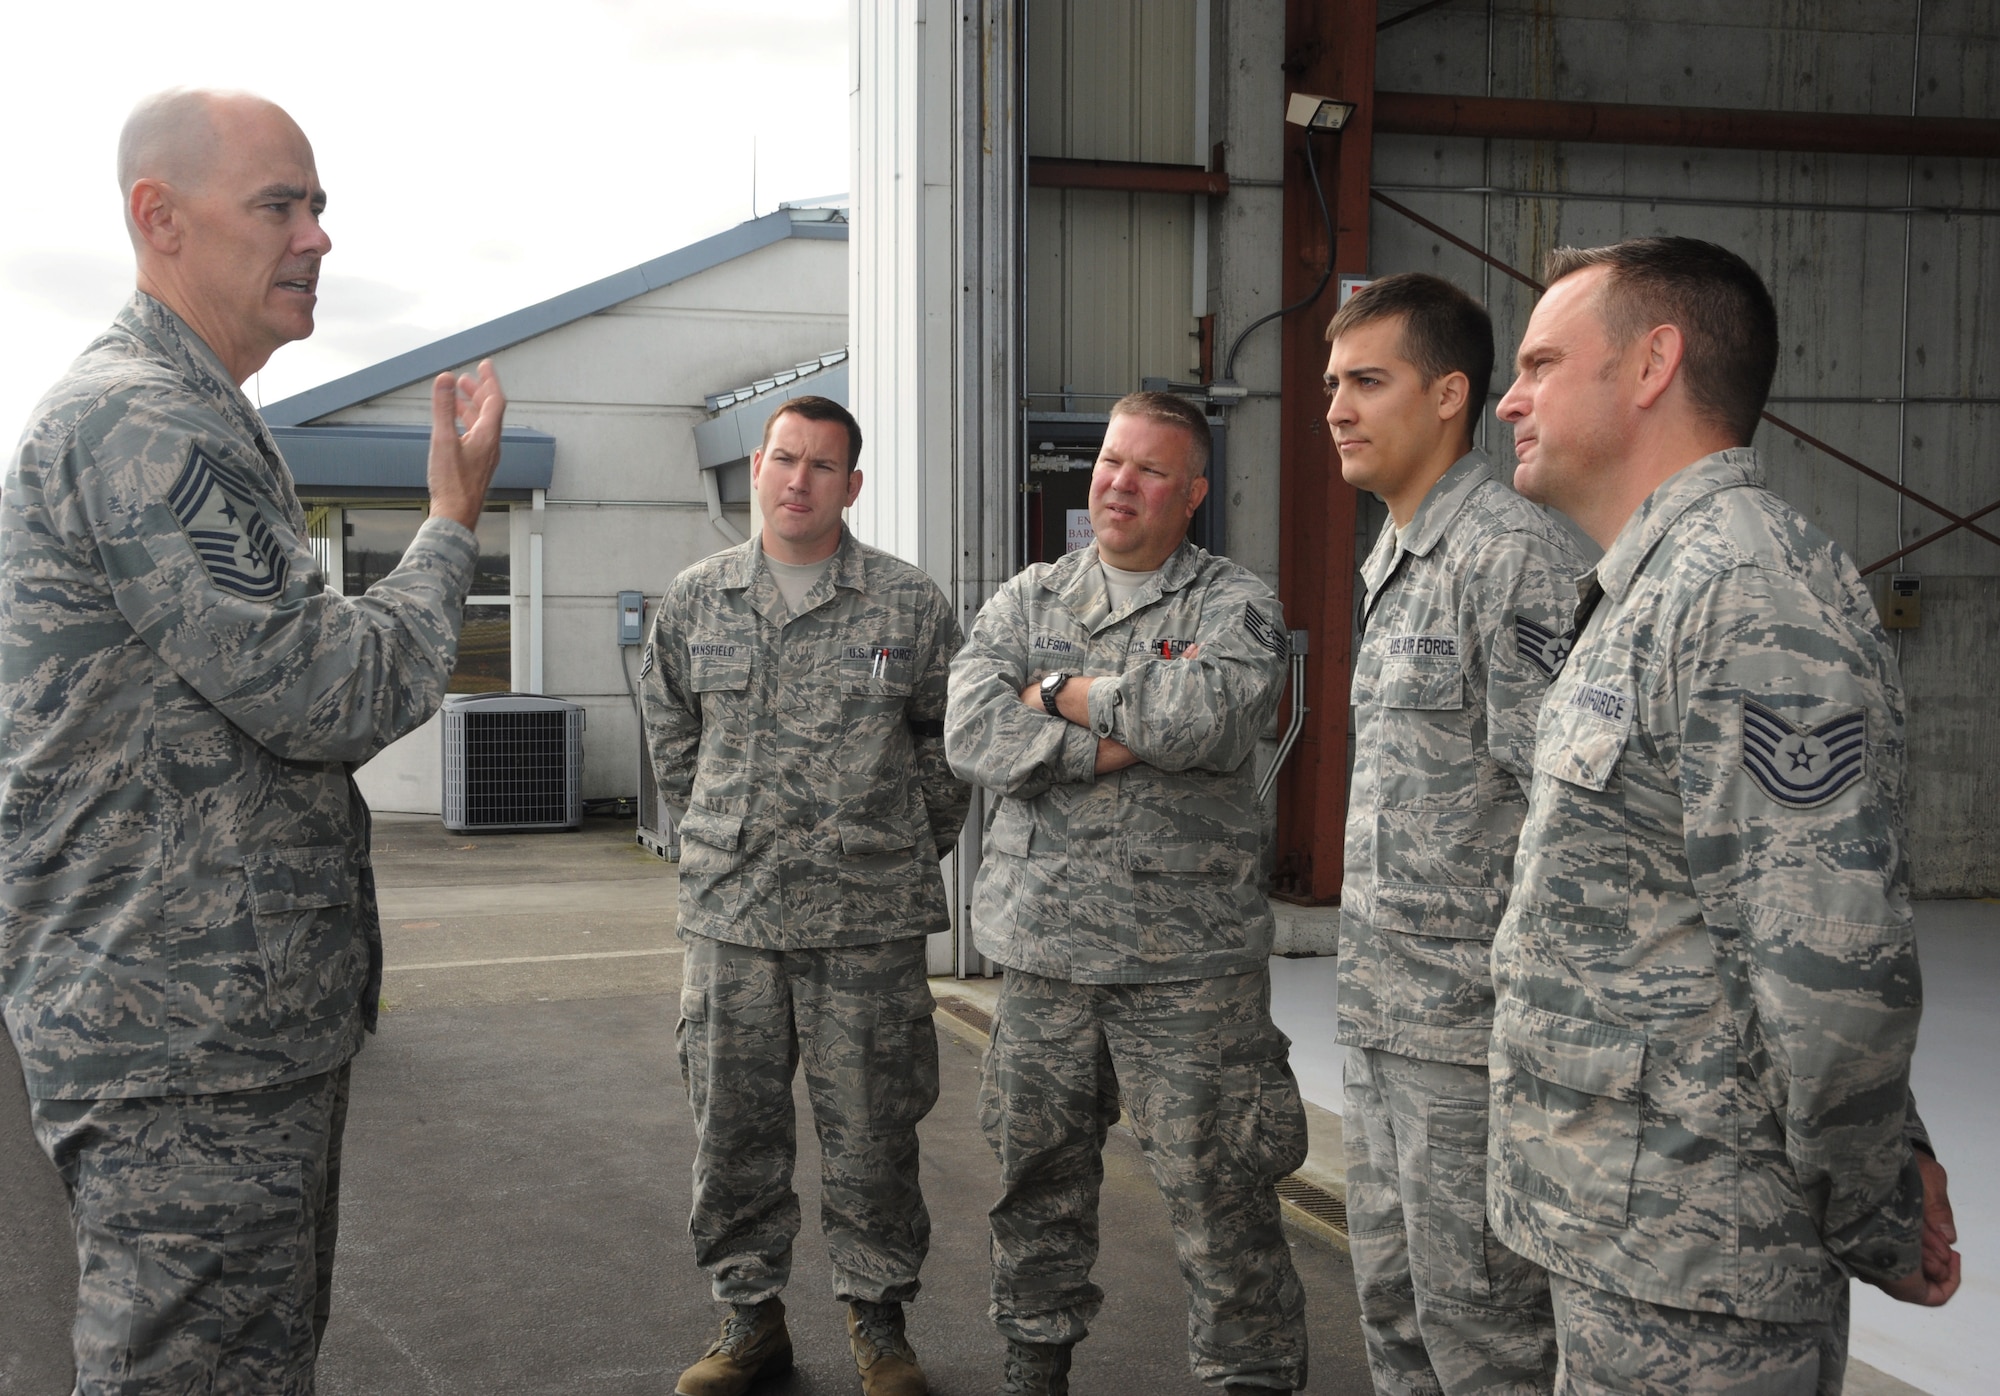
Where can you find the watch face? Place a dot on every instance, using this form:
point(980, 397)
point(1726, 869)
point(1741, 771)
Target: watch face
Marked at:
point(1053, 682)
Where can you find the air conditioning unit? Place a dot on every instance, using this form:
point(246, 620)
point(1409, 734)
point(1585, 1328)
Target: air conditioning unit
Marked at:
point(656, 821)
point(512, 762)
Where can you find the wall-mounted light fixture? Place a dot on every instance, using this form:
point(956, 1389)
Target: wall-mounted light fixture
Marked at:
point(1318, 113)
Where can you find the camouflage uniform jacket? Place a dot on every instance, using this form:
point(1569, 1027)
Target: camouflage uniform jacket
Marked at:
point(1151, 873)
point(1465, 622)
point(183, 859)
point(1707, 982)
point(802, 755)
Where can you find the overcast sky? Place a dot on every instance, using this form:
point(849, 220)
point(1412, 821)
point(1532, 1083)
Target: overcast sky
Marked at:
point(477, 157)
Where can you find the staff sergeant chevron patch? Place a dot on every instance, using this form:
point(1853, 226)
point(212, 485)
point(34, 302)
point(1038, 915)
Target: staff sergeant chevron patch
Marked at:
point(1802, 767)
point(1265, 633)
point(1541, 646)
point(232, 539)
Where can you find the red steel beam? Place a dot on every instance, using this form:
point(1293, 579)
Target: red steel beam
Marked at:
point(1616, 123)
point(1329, 51)
point(1125, 176)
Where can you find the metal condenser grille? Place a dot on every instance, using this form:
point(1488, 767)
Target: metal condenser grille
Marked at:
point(512, 761)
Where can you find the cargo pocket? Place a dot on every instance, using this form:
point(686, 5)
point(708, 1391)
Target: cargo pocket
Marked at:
point(710, 853)
point(1455, 1236)
point(718, 670)
point(903, 1077)
point(297, 897)
point(187, 1244)
point(1190, 896)
point(1428, 683)
point(691, 1043)
point(1261, 1115)
point(1568, 1092)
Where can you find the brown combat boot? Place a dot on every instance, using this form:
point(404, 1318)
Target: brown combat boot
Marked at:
point(882, 1354)
point(753, 1343)
point(1035, 1369)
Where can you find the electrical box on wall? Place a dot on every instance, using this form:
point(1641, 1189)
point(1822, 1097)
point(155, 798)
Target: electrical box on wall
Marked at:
point(631, 618)
point(1903, 603)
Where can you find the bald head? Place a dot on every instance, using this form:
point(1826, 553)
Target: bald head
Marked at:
point(178, 135)
point(222, 202)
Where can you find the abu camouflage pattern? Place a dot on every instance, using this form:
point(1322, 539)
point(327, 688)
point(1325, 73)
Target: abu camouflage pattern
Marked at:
point(1614, 1343)
point(205, 1229)
point(1146, 874)
point(801, 754)
point(859, 1020)
point(1446, 1310)
point(1707, 992)
point(1201, 1071)
point(184, 867)
point(1464, 621)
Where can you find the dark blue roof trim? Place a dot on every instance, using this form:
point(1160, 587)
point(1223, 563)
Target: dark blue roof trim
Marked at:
point(469, 346)
point(349, 461)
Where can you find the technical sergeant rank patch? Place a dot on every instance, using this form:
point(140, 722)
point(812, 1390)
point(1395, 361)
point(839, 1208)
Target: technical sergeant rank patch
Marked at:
point(1803, 767)
point(231, 538)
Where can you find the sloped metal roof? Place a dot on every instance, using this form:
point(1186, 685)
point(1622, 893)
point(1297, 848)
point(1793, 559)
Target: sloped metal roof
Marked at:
point(480, 341)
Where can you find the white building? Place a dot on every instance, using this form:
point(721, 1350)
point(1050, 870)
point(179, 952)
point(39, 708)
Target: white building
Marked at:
point(602, 486)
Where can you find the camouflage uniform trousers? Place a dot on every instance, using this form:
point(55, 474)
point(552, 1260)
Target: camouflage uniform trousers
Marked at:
point(1203, 1072)
point(1613, 1344)
point(1445, 1307)
point(860, 1018)
point(205, 1228)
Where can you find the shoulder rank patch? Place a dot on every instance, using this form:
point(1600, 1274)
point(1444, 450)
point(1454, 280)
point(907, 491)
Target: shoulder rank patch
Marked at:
point(1266, 634)
point(646, 664)
point(231, 538)
point(1802, 767)
point(1541, 646)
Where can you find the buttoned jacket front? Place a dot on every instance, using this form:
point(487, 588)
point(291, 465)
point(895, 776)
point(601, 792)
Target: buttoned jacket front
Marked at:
point(1465, 621)
point(1706, 978)
point(184, 875)
point(802, 755)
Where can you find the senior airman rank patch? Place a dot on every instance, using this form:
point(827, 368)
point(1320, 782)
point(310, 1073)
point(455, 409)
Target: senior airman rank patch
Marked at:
point(231, 538)
point(1541, 646)
point(1802, 767)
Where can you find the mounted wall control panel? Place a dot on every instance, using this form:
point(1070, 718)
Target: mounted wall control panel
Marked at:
point(1903, 602)
point(631, 618)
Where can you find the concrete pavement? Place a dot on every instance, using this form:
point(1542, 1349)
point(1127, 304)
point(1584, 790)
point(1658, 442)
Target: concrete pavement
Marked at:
point(516, 1192)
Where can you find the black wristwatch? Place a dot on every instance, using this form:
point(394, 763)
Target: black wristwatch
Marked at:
point(1051, 686)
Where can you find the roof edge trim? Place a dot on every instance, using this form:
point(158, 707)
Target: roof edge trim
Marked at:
point(468, 346)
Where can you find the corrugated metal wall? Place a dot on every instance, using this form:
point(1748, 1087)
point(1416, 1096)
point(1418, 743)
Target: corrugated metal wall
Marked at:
point(1876, 304)
point(1108, 273)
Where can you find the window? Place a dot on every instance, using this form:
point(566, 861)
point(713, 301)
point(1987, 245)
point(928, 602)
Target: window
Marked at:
point(374, 540)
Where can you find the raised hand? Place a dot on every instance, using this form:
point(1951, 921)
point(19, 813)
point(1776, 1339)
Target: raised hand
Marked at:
point(462, 461)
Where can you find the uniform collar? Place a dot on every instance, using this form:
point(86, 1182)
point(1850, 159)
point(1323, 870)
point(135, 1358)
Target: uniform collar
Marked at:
point(160, 329)
point(1078, 579)
point(1734, 468)
point(1434, 517)
point(743, 569)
